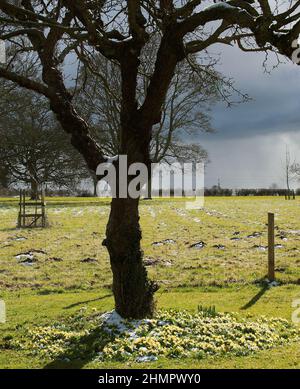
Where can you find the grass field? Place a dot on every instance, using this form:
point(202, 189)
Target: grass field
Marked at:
point(68, 269)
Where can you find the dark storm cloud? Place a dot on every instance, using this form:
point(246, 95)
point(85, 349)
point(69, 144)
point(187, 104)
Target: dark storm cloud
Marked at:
point(248, 148)
point(275, 104)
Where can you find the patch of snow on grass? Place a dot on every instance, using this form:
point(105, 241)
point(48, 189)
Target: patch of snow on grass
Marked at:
point(24, 257)
point(147, 358)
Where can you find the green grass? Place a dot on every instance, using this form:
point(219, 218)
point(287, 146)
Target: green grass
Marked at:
point(230, 279)
point(27, 308)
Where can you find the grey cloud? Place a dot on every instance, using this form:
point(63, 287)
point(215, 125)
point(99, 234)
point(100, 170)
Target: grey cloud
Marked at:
point(248, 148)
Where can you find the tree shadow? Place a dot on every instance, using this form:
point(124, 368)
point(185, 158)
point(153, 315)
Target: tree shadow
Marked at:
point(77, 357)
point(256, 297)
point(77, 204)
point(88, 301)
point(9, 229)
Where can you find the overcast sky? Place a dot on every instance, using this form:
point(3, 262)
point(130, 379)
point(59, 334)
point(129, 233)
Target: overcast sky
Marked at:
point(248, 149)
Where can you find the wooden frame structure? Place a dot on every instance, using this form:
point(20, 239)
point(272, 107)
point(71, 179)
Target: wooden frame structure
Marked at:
point(37, 214)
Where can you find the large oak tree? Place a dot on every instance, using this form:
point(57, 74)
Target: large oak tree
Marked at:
point(34, 150)
point(119, 30)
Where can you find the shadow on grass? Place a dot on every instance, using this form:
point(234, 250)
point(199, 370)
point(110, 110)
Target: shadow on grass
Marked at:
point(10, 229)
point(74, 204)
point(88, 301)
point(255, 299)
point(77, 357)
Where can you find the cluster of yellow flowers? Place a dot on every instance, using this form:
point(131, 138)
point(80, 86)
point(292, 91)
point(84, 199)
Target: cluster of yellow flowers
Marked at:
point(181, 334)
point(52, 340)
point(172, 334)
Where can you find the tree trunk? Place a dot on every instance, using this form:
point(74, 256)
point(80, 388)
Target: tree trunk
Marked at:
point(95, 183)
point(34, 194)
point(149, 187)
point(132, 290)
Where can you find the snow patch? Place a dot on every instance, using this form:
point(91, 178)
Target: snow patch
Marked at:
point(25, 257)
point(199, 245)
point(273, 284)
point(113, 321)
point(146, 358)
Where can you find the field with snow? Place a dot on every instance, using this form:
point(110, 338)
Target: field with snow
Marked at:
point(56, 284)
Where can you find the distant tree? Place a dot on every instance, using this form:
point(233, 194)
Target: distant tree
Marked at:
point(289, 171)
point(261, 192)
point(216, 190)
point(34, 150)
point(4, 177)
point(295, 169)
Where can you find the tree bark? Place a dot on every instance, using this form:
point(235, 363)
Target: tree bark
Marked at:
point(34, 190)
point(149, 187)
point(132, 290)
point(95, 182)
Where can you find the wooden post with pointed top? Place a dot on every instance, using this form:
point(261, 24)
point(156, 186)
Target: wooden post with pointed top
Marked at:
point(271, 247)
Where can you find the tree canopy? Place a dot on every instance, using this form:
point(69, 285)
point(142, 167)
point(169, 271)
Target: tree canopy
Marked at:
point(34, 150)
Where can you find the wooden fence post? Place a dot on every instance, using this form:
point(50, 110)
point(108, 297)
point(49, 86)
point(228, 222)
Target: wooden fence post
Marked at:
point(271, 247)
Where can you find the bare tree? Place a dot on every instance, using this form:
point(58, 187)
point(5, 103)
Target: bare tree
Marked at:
point(185, 112)
point(290, 172)
point(296, 170)
point(50, 30)
point(4, 177)
point(287, 169)
point(34, 150)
